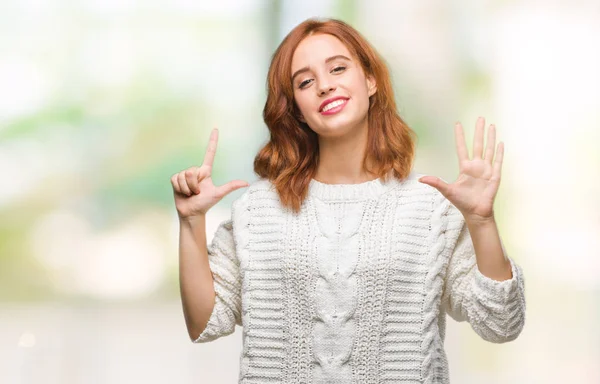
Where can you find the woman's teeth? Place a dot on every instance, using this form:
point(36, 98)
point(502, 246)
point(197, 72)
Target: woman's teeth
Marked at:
point(333, 104)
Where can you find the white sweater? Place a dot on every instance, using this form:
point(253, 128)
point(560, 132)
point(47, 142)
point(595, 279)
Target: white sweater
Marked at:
point(355, 288)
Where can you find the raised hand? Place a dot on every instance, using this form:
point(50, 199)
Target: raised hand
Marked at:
point(475, 189)
point(193, 188)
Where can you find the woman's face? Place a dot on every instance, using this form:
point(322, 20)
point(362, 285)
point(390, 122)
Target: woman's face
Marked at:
point(330, 87)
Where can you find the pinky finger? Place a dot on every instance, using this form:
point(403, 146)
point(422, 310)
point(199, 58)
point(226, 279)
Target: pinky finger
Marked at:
point(175, 184)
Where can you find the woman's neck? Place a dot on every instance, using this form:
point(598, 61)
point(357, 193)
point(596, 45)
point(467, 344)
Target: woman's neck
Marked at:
point(341, 160)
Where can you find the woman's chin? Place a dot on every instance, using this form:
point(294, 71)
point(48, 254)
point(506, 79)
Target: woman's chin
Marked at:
point(341, 128)
point(334, 132)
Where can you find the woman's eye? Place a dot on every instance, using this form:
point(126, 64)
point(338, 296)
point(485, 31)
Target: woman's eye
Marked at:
point(304, 83)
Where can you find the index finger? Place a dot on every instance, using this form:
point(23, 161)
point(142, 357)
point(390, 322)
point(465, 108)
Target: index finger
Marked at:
point(209, 156)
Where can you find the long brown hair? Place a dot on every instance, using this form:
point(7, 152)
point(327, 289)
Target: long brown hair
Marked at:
point(290, 158)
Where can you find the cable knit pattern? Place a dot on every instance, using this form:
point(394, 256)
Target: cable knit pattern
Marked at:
point(337, 248)
point(494, 309)
point(227, 284)
point(354, 288)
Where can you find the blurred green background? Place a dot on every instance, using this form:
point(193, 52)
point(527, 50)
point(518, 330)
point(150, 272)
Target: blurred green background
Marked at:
point(101, 101)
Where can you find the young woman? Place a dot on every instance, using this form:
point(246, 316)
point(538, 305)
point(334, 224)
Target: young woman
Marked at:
point(341, 262)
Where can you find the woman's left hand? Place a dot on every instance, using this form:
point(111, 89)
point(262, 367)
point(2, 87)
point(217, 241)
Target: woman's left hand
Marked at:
point(474, 191)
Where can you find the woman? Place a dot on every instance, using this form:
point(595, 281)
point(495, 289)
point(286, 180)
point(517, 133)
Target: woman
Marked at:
point(341, 262)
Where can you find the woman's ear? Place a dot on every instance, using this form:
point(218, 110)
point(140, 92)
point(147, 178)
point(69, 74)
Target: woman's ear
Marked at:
point(372, 85)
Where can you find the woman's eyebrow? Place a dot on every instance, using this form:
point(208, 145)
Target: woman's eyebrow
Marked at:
point(306, 69)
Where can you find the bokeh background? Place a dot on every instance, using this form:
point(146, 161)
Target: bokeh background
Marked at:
point(101, 101)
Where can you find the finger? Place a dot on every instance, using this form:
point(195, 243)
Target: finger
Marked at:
point(209, 156)
point(478, 138)
point(498, 162)
point(183, 184)
point(175, 183)
point(491, 144)
point(436, 183)
point(230, 187)
point(461, 144)
point(203, 172)
point(191, 178)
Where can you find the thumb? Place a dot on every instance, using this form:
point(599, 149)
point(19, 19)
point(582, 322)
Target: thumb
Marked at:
point(230, 187)
point(436, 183)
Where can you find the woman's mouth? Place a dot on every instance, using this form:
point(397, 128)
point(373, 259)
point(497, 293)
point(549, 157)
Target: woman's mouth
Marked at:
point(334, 107)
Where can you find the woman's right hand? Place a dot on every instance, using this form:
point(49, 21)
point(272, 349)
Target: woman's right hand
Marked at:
point(193, 188)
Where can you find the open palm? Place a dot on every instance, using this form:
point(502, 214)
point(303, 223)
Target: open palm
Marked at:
point(475, 189)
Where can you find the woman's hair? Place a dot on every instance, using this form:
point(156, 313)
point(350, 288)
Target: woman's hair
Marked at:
point(289, 160)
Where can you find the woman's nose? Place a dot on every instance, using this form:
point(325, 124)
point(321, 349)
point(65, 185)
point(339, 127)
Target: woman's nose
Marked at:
point(326, 88)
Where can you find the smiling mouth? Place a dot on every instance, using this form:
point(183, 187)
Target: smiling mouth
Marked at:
point(334, 107)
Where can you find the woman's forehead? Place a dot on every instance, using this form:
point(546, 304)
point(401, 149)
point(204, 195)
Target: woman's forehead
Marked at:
point(315, 49)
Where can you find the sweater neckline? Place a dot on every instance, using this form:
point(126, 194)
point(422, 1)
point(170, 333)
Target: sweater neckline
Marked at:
point(361, 191)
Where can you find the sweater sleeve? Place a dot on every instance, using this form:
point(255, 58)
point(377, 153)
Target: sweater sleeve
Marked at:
point(224, 265)
point(494, 309)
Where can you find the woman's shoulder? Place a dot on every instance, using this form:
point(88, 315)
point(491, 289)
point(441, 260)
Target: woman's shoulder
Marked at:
point(260, 193)
point(258, 204)
point(425, 196)
point(411, 185)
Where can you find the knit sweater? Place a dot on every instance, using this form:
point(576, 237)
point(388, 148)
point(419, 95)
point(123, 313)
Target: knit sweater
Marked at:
point(355, 287)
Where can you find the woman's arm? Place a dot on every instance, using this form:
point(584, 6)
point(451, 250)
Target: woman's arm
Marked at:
point(195, 276)
point(210, 299)
point(494, 308)
point(491, 260)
